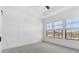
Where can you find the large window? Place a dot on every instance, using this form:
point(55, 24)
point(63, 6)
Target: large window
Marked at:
point(58, 32)
point(49, 32)
point(72, 29)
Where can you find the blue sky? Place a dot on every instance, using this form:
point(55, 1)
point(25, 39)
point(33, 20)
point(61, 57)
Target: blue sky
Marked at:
point(70, 23)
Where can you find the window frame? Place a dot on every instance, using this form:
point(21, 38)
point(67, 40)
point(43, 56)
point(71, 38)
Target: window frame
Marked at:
point(71, 23)
point(59, 35)
point(49, 30)
point(63, 30)
point(61, 25)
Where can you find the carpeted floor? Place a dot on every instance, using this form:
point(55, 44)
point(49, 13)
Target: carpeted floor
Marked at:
point(41, 47)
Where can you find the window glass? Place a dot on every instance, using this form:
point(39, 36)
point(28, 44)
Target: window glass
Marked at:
point(58, 23)
point(49, 26)
point(75, 25)
point(68, 33)
point(68, 26)
point(75, 34)
point(49, 32)
point(72, 29)
point(58, 27)
point(58, 33)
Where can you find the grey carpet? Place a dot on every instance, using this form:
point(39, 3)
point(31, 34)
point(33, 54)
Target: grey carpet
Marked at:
point(41, 47)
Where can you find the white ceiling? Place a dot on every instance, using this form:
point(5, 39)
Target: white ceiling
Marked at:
point(55, 10)
point(38, 11)
point(35, 10)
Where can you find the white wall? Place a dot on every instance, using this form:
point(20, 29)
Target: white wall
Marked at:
point(0, 23)
point(64, 15)
point(0, 27)
point(21, 26)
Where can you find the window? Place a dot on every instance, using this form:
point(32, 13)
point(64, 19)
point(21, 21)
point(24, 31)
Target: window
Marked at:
point(58, 32)
point(49, 32)
point(49, 26)
point(72, 29)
